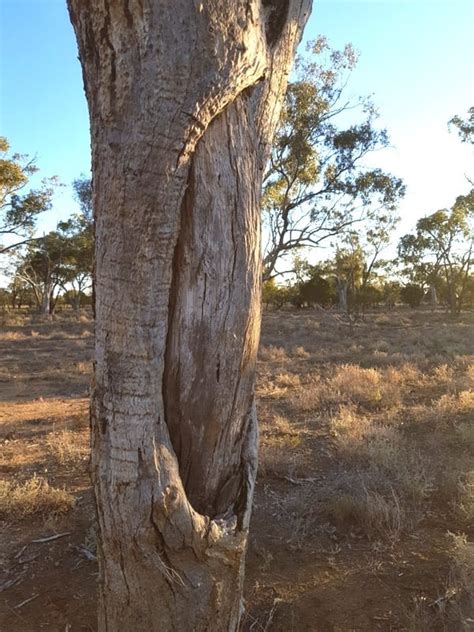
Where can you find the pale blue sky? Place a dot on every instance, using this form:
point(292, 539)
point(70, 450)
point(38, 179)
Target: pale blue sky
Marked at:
point(417, 59)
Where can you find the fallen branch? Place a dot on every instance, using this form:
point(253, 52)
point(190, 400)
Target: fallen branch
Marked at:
point(300, 481)
point(51, 537)
point(23, 603)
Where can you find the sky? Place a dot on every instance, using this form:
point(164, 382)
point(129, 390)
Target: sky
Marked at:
point(416, 59)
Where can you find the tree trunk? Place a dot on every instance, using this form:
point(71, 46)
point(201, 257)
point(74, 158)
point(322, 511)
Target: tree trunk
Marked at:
point(45, 306)
point(433, 295)
point(77, 301)
point(342, 288)
point(183, 100)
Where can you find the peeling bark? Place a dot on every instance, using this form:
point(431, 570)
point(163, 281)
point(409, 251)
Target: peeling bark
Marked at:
point(183, 100)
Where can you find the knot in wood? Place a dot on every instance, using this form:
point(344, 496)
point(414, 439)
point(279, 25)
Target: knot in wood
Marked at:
point(171, 493)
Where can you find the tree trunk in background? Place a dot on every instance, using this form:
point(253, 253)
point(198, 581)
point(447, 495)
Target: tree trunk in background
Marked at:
point(183, 100)
point(433, 296)
point(342, 288)
point(45, 305)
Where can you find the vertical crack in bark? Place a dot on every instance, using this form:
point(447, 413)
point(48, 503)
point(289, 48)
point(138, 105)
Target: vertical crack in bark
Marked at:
point(105, 35)
point(197, 420)
point(170, 378)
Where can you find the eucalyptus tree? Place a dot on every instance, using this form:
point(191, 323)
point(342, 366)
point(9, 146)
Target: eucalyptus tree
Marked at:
point(20, 205)
point(318, 185)
point(41, 267)
point(183, 99)
point(465, 126)
point(444, 243)
point(77, 263)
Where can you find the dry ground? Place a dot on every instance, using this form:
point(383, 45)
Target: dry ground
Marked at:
point(364, 511)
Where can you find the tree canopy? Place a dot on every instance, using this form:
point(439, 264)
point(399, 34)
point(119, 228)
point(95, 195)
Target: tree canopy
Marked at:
point(19, 205)
point(318, 184)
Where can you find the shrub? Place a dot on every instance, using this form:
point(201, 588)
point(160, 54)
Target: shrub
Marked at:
point(411, 295)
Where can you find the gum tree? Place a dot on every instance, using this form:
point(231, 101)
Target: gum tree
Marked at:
point(183, 100)
point(19, 204)
point(318, 187)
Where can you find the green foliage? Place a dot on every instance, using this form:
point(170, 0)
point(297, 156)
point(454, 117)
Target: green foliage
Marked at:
point(391, 293)
point(19, 208)
point(62, 259)
point(411, 295)
point(316, 187)
point(83, 193)
point(442, 246)
point(369, 296)
point(465, 127)
point(279, 295)
point(74, 298)
point(317, 291)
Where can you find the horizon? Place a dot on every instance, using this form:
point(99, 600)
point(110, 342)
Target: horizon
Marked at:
point(417, 85)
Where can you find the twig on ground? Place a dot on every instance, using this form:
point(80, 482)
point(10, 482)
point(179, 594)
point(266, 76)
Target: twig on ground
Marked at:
point(51, 537)
point(10, 582)
point(300, 481)
point(23, 603)
point(21, 551)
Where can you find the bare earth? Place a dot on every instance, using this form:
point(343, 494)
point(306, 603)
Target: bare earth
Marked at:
point(364, 511)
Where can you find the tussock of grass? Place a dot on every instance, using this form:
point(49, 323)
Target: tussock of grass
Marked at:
point(466, 497)
point(462, 580)
point(379, 516)
point(67, 446)
point(456, 403)
point(386, 481)
point(352, 383)
point(34, 496)
point(300, 352)
point(283, 426)
point(465, 433)
point(272, 354)
point(287, 380)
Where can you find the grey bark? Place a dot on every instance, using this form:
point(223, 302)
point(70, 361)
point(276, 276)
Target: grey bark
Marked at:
point(183, 99)
point(342, 290)
point(45, 306)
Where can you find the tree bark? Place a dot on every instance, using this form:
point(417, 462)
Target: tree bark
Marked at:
point(342, 290)
point(183, 100)
point(45, 306)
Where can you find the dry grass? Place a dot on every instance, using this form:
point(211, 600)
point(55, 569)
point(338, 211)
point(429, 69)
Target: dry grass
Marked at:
point(287, 380)
point(34, 496)
point(366, 387)
point(466, 497)
point(384, 482)
point(373, 389)
point(356, 384)
point(273, 354)
point(283, 426)
point(366, 452)
point(67, 446)
point(356, 506)
point(463, 572)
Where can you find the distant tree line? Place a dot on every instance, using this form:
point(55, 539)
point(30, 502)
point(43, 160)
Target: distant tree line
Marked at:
point(318, 193)
point(47, 270)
